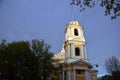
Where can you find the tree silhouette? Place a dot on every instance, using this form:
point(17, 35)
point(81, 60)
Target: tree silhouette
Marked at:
point(112, 7)
point(113, 67)
point(17, 62)
point(41, 50)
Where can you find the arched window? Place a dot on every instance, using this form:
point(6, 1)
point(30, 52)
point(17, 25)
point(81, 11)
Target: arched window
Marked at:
point(75, 32)
point(77, 51)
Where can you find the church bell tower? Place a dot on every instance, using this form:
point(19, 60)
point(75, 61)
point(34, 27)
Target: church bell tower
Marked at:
point(73, 55)
point(74, 42)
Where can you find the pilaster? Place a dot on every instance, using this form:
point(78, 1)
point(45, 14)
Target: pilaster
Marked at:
point(69, 74)
point(63, 73)
point(74, 74)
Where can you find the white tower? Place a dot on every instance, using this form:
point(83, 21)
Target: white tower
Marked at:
point(73, 55)
point(74, 42)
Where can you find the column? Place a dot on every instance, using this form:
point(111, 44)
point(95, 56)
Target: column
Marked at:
point(73, 51)
point(68, 53)
point(81, 52)
point(65, 53)
point(90, 75)
point(63, 75)
point(69, 75)
point(74, 74)
point(86, 75)
point(85, 52)
point(60, 75)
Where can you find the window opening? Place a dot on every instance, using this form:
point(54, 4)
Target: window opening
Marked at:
point(77, 51)
point(75, 32)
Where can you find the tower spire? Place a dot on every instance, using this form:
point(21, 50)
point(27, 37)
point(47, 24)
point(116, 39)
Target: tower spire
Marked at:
point(72, 17)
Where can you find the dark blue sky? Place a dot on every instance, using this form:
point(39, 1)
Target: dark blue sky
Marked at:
point(46, 19)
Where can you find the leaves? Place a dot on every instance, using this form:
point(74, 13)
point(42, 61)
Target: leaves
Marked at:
point(83, 4)
point(17, 62)
point(22, 61)
point(112, 7)
point(41, 50)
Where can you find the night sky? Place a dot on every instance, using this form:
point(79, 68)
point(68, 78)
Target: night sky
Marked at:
point(46, 19)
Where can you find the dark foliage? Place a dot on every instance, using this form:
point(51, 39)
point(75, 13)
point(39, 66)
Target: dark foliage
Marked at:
point(113, 67)
point(112, 7)
point(105, 77)
point(20, 61)
point(17, 62)
point(41, 50)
